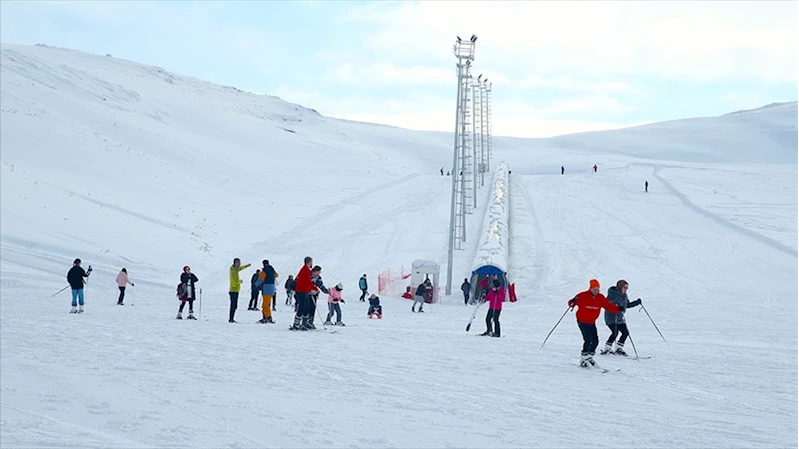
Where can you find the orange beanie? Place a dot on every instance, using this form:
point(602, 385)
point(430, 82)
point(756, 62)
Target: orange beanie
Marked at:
point(593, 283)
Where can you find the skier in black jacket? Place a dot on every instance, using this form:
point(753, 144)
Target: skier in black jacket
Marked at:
point(615, 321)
point(188, 279)
point(316, 278)
point(289, 286)
point(254, 290)
point(466, 288)
point(75, 277)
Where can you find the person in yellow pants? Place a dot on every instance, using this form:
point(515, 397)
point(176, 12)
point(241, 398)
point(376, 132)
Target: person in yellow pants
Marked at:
point(268, 277)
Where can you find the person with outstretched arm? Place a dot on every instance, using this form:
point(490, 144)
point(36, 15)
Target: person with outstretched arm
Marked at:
point(615, 321)
point(235, 287)
point(588, 304)
point(76, 276)
point(316, 278)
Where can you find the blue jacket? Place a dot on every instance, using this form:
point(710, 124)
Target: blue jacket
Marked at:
point(362, 284)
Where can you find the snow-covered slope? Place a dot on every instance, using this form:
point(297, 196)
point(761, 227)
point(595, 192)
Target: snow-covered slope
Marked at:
point(123, 164)
point(120, 157)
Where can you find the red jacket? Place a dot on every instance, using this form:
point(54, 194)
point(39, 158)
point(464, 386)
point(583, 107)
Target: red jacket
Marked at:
point(588, 306)
point(304, 283)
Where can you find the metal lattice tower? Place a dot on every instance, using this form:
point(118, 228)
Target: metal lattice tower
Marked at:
point(464, 51)
point(463, 150)
point(483, 153)
point(488, 126)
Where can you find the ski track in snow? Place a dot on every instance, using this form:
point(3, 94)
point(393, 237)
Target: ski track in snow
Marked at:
point(177, 166)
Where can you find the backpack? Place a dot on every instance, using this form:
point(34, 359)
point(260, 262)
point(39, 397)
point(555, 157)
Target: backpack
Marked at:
point(260, 282)
point(183, 295)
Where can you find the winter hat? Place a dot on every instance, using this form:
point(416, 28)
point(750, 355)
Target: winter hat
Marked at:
point(339, 287)
point(621, 284)
point(593, 283)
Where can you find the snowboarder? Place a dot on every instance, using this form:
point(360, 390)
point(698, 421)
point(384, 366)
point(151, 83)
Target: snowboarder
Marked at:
point(289, 286)
point(267, 280)
point(122, 281)
point(333, 300)
point(316, 278)
point(495, 298)
point(235, 287)
point(562, 170)
point(588, 304)
point(302, 295)
point(363, 286)
point(466, 288)
point(594, 168)
point(615, 321)
point(253, 305)
point(75, 277)
point(188, 279)
point(646, 186)
point(375, 309)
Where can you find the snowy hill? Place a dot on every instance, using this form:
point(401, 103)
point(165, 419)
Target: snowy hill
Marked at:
point(124, 164)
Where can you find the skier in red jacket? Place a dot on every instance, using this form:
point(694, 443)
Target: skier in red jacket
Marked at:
point(588, 305)
point(304, 286)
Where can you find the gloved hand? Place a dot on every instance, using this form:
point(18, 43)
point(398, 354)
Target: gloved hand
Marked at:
point(639, 301)
point(573, 302)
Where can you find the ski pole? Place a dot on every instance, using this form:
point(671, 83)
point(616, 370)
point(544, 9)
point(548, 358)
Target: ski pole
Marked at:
point(630, 336)
point(60, 291)
point(474, 314)
point(201, 304)
point(556, 325)
point(653, 323)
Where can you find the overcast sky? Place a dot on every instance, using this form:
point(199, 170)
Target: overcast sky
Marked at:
point(556, 67)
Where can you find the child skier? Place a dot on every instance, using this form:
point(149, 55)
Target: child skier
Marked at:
point(588, 304)
point(333, 300)
point(188, 281)
point(615, 321)
point(375, 309)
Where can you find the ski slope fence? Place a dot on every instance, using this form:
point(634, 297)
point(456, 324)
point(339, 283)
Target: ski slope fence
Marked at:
point(491, 258)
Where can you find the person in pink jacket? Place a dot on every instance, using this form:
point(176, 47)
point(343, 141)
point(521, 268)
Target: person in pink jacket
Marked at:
point(333, 301)
point(122, 282)
point(495, 298)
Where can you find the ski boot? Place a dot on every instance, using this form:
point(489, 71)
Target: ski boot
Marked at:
point(584, 360)
point(608, 349)
point(191, 316)
point(231, 321)
point(180, 316)
point(339, 323)
point(620, 350)
point(486, 334)
point(591, 359)
point(495, 334)
point(73, 310)
point(328, 323)
point(80, 309)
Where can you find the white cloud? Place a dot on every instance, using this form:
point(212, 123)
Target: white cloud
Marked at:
point(566, 82)
point(387, 73)
point(689, 41)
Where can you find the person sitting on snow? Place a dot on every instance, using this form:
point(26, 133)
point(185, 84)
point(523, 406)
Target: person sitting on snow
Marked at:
point(375, 309)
